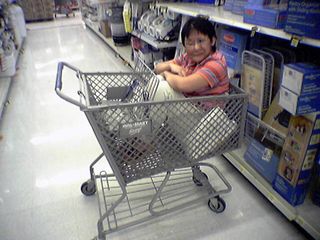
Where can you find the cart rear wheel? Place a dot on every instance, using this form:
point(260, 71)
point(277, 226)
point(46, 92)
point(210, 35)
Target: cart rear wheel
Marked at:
point(88, 188)
point(198, 182)
point(217, 204)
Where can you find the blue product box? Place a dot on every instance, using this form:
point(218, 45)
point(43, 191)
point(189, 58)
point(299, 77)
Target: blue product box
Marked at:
point(303, 18)
point(316, 190)
point(206, 1)
point(259, 2)
point(232, 43)
point(298, 157)
point(272, 17)
point(262, 159)
point(301, 78)
point(294, 195)
point(228, 5)
point(238, 6)
point(299, 104)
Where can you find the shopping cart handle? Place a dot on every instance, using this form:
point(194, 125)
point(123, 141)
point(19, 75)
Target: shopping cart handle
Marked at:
point(58, 86)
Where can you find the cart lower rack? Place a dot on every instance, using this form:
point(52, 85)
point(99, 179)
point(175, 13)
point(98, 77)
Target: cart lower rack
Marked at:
point(154, 148)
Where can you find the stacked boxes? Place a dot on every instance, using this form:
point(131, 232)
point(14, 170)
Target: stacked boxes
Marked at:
point(300, 88)
point(37, 9)
point(297, 158)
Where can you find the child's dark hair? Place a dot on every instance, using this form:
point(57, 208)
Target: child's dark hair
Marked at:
point(200, 24)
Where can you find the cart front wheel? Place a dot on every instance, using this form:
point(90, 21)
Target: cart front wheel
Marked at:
point(217, 204)
point(198, 182)
point(88, 188)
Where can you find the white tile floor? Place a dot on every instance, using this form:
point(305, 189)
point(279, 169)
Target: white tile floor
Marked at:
point(48, 145)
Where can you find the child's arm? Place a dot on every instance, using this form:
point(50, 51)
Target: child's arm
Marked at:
point(186, 84)
point(170, 66)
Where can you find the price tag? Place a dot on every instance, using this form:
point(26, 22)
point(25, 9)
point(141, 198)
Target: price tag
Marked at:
point(295, 40)
point(254, 29)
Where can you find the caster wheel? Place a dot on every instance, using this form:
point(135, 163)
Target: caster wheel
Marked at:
point(88, 188)
point(197, 182)
point(217, 205)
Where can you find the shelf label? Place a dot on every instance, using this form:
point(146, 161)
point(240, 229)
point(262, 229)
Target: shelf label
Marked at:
point(295, 40)
point(254, 29)
point(300, 221)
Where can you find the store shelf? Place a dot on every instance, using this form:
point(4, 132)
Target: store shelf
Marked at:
point(152, 41)
point(5, 83)
point(124, 52)
point(306, 215)
point(217, 14)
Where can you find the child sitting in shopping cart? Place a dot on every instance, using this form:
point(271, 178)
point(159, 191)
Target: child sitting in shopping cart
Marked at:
point(202, 70)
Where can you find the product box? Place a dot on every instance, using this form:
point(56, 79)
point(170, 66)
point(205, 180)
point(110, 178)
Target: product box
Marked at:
point(303, 18)
point(299, 104)
point(263, 156)
point(315, 195)
point(277, 117)
point(297, 158)
point(105, 28)
point(301, 78)
point(231, 44)
point(238, 6)
point(228, 5)
point(272, 17)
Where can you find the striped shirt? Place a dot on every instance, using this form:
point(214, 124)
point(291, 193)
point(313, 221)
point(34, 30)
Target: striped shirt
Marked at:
point(213, 69)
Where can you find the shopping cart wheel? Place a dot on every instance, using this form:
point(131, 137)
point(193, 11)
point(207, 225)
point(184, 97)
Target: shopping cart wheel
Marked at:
point(88, 188)
point(217, 204)
point(197, 182)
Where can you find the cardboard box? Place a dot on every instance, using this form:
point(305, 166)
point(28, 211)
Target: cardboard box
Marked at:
point(232, 43)
point(299, 104)
point(297, 158)
point(238, 6)
point(272, 17)
point(105, 28)
point(301, 78)
point(303, 18)
point(315, 194)
point(263, 159)
point(228, 5)
point(277, 117)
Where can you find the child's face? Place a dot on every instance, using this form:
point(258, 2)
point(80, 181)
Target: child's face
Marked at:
point(198, 46)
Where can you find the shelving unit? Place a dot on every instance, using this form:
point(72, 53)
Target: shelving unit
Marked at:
point(218, 15)
point(307, 214)
point(152, 41)
point(5, 83)
point(124, 52)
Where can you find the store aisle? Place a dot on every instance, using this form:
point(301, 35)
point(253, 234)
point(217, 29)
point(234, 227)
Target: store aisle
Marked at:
point(47, 147)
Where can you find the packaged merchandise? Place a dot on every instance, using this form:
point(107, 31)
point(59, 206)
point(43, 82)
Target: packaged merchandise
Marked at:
point(297, 158)
point(277, 117)
point(301, 78)
point(315, 195)
point(267, 16)
point(263, 154)
point(256, 82)
point(299, 104)
point(228, 5)
point(232, 43)
point(277, 72)
point(303, 18)
point(238, 6)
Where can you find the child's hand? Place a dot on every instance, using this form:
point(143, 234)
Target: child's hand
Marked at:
point(177, 69)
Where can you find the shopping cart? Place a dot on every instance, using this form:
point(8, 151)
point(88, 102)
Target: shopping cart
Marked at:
point(64, 7)
point(155, 149)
